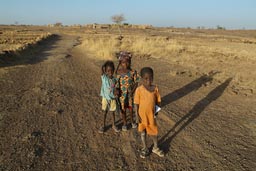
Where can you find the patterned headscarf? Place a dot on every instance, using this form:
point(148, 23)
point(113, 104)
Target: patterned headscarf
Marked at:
point(124, 55)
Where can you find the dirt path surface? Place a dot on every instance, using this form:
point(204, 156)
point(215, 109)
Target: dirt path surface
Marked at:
point(50, 111)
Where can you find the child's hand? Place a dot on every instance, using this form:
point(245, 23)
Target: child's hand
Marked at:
point(117, 92)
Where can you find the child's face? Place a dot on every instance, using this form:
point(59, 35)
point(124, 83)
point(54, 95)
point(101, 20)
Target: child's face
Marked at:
point(124, 63)
point(109, 72)
point(147, 79)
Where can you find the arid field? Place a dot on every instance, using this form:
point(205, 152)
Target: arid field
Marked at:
point(50, 108)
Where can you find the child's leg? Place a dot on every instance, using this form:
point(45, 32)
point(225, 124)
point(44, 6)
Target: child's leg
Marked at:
point(131, 114)
point(124, 127)
point(113, 123)
point(156, 149)
point(113, 118)
point(134, 125)
point(154, 137)
point(144, 139)
point(104, 113)
point(124, 116)
point(102, 129)
point(144, 152)
point(105, 116)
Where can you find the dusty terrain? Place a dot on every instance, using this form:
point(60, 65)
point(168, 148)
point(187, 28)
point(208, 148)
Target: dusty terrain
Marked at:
point(50, 107)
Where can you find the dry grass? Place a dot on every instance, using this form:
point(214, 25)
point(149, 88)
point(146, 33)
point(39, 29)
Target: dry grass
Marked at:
point(197, 54)
point(104, 47)
point(232, 53)
point(16, 39)
point(156, 46)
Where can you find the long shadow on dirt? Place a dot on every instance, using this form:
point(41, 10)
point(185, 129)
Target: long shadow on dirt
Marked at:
point(31, 55)
point(193, 86)
point(193, 114)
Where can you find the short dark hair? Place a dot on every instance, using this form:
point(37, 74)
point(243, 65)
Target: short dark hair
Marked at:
point(108, 63)
point(146, 70)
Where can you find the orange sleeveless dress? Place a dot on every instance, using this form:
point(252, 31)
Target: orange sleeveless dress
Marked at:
point(147, 101)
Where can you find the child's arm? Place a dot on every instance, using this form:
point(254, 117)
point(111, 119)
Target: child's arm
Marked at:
point(136, 80)
point(158, 100)
point(138, 119)
point(134, 88)
point(102, 70)
point(117, 68)
point(117, 91)
point(158, 104)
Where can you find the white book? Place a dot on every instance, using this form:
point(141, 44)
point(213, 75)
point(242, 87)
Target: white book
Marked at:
point(157, 109)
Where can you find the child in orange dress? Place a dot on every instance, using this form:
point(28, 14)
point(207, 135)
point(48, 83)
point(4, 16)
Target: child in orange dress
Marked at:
point(146, 98)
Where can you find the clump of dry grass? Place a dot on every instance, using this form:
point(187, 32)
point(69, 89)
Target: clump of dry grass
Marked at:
point(104, 47)
point(155, 46)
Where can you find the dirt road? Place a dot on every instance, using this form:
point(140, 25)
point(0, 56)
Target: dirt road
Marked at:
point(50, 111)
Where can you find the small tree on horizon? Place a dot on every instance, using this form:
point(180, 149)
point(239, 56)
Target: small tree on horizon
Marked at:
point(220, 27)
point(58, 24)
point(118, 19)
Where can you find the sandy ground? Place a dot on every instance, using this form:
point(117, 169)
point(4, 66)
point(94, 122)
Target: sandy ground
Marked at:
point(50, 111)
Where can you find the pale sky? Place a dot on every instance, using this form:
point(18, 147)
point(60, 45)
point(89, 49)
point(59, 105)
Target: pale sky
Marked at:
point(231, 14)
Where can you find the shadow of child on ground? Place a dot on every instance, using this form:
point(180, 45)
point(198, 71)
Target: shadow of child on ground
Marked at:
point(193, 86)
point(193, 114)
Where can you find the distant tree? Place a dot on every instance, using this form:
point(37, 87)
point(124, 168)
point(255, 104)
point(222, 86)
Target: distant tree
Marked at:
point(220, 27)
point(118, 19)
point(58, 24)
